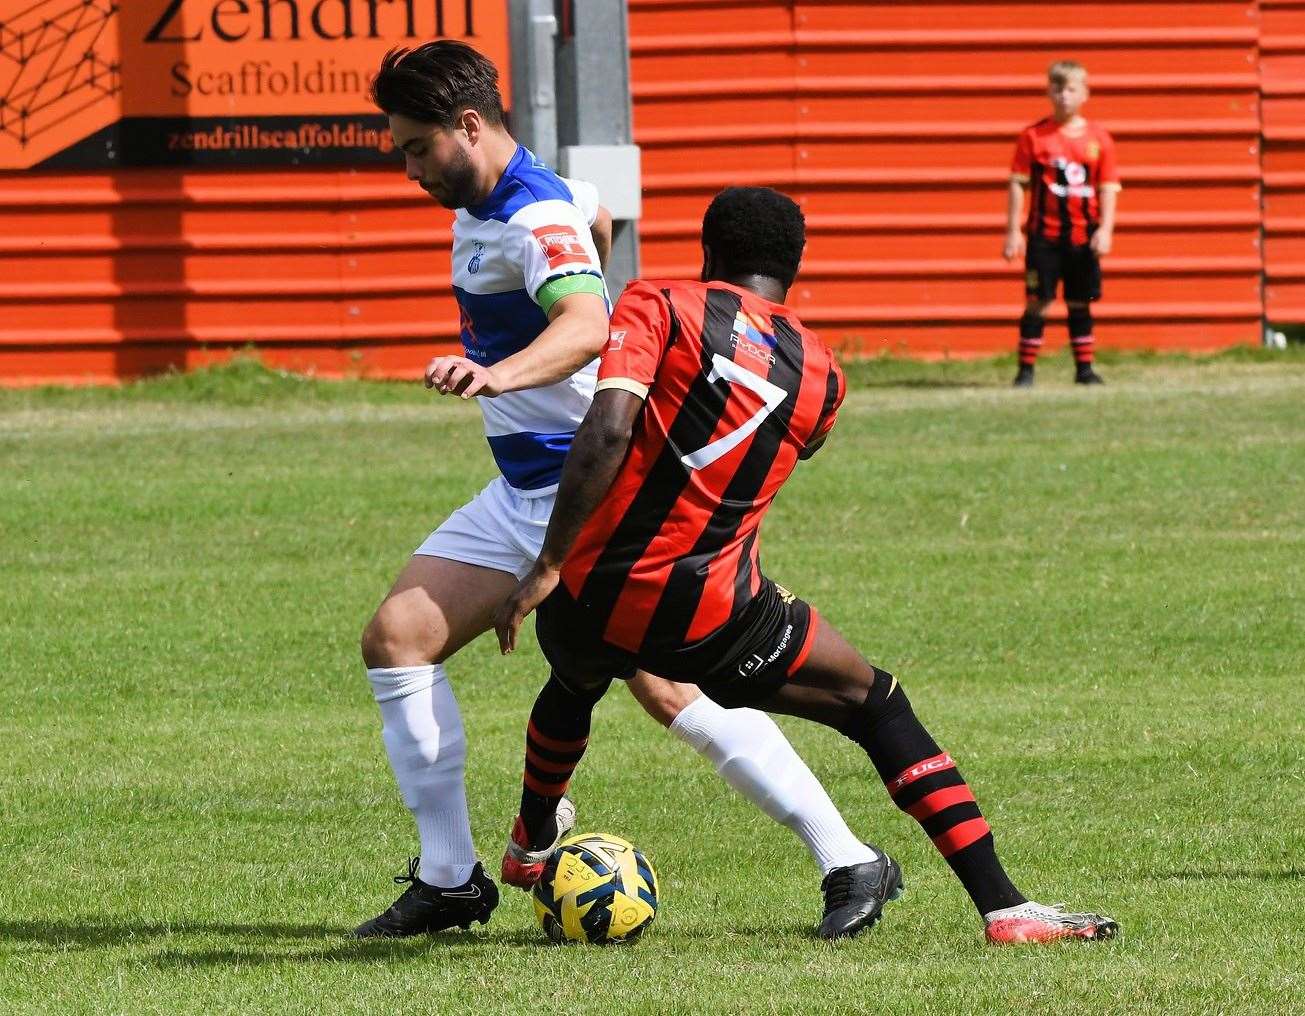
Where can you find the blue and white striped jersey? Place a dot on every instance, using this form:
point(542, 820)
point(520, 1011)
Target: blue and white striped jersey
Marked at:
point(514, 255)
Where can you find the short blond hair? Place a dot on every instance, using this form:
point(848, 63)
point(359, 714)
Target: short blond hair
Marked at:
point(1062, 70)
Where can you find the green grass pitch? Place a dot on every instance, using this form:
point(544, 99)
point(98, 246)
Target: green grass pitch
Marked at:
point(1095, 598)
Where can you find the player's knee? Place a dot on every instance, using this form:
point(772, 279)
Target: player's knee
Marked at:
point(662, 700)
point(883, 702)
point(387, 641)
point(577, 686)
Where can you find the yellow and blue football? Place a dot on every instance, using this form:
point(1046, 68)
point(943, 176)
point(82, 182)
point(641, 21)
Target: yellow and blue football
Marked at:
point(596, 888)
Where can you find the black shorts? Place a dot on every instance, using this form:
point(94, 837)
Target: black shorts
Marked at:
point(1046, 264)
point(741, 663)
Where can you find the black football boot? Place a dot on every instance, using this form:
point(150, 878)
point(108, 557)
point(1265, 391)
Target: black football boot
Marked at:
point(855, 895)
point(423, 909)
point(1024, 377)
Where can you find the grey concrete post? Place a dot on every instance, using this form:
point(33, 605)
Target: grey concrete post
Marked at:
point(533, 31)
point(594, 121)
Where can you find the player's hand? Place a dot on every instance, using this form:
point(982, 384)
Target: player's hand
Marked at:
point(456, 375)
point(531, 591)
point(1101, 243)
point(1014, 246)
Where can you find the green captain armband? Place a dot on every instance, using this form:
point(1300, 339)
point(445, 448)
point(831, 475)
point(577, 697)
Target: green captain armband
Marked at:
point(564, 285)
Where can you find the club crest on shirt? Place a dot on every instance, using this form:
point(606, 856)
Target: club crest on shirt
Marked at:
point(615, 340)
point(473, 266)
point(561, 246)
point(1093, 150)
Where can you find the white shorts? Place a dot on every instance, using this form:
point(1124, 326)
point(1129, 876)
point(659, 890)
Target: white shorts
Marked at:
point(498, 528)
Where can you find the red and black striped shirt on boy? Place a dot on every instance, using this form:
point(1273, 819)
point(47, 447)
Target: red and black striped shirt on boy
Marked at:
point(736, 390)
point(1066, 166)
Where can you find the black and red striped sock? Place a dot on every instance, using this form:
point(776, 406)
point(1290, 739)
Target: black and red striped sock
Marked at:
point(556, 737)
point(1081, 339)
point(924, 782)
point(1031, 327)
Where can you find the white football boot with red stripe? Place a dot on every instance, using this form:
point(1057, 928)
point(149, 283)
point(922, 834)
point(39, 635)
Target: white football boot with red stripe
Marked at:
point(1035, 922)
point(522, 866)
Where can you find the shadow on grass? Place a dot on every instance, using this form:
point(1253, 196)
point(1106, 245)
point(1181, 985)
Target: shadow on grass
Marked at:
point(928, 383)
point(96, 933)
point(274, 944)
point(256, 944)
point(346, 950)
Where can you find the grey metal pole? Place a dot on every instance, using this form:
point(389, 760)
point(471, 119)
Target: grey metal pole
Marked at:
point(533, 38)
point(594, 121)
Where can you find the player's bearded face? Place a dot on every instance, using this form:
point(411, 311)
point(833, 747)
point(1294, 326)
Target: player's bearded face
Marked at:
point(451, 178)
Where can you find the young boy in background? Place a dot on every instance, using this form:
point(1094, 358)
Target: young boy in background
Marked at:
point(1069, 166)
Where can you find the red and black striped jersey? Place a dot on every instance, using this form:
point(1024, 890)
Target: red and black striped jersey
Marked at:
point(736, 391)
point(1066, 170)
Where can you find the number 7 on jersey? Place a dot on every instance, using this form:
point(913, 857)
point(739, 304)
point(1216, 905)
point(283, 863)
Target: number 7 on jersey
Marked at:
point(772, 396)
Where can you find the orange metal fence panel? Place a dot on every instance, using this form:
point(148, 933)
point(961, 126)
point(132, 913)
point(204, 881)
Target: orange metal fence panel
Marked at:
point(112, 274)
point(1174, 83)
point(1282, 65)
point(715, 103)
point(893, 124)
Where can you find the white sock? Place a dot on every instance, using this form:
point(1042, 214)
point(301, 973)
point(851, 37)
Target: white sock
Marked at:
point(422, 730)
point(754, 757)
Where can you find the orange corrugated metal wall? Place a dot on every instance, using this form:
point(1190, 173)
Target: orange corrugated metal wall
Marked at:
point(1282, 66)
point(110, 275)
point(893, 124)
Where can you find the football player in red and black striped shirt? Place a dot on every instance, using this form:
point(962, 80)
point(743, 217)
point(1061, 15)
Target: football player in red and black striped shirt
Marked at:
point(1068, 166)
point(708, 396)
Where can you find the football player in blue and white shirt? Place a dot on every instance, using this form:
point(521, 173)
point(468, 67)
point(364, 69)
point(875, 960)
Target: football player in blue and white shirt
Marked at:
point(527, 272)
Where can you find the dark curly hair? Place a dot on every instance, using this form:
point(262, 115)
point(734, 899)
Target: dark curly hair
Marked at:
point(436, 82)
point(755, 231)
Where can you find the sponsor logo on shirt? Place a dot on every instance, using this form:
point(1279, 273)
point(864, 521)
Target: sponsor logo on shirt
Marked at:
point(470, 342)
point(561, 246)
point(751, 338)
point(1075, 175)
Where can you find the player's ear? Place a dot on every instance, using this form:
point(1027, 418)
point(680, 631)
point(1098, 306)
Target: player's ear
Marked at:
point(469, 123)
point(708, 263)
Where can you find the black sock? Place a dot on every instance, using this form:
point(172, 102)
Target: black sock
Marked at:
point(924, 782)
point(556, 737)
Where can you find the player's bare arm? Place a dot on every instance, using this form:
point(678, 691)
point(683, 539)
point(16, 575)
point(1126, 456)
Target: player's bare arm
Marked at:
point(601, 231)
point(596, 454)
point(1014, 246)
point(1104, 238)
point(576, 332)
